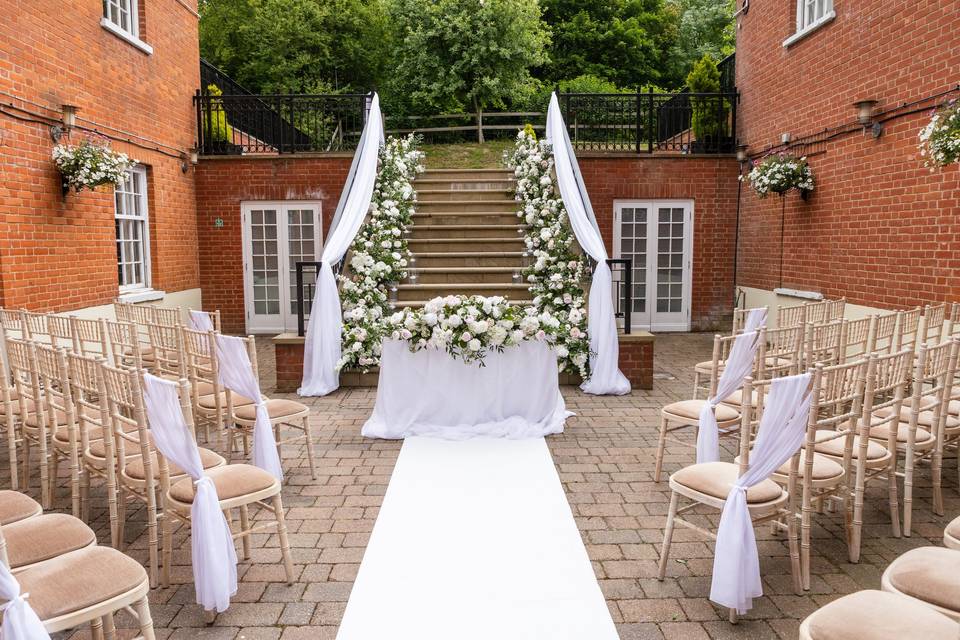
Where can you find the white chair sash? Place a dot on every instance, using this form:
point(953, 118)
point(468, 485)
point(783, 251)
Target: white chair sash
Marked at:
point(214, 554)
point(736, 564)
point(236, 374)
point(736, 368)
point(20, 621)
point(200, 320)
point(321, 349)
point(605, 375)
point(755, 319)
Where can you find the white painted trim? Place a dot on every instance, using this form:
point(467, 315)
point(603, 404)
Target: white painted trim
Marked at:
point(800, 35)
point(139, 175)
point(798, 293)
point(127, 37)
point(141, 295)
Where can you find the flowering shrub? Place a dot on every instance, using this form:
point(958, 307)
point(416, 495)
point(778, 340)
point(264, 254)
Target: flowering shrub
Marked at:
point(379, 254)
point(469, 327)
point(89, 165)
point(940, 139)
point(779, 174)
point(556, 271)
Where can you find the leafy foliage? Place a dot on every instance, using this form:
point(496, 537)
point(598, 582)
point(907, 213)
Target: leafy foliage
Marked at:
point(708, 114)
point(215, 126)
point(940, 139)
point(780, 173)
point(703, 27)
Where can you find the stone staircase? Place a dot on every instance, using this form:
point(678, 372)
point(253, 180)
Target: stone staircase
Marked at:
point(466, 237)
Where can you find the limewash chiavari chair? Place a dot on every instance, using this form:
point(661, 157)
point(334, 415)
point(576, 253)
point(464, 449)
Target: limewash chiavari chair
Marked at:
point(213, 315)
point(931, 324)
point(703, 370)
point(282, 412)
point(137, 460)
point(876, 614)
point(22, 360)
point(169, 316)
point(125, 347)
point(822, 343)
point(855, 338)
point(709, 483)
point(212, 403)
point(12, 322)
point(792, 316)
point(41, 538)
point(882, 340)
point(835, 412)
point(61, 420)
point(886, 381)
point(927, 575)
point(908, 329)
point(953, 324)
point(923, 420)
point(9, 410)
point(780, 354)
point(88, 337)
point(166, 345)
point(740, 317)
point(142, 316)
point(239, 486)
point(686, 413)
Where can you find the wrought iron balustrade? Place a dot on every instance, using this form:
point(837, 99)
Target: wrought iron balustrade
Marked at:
point(621, 270)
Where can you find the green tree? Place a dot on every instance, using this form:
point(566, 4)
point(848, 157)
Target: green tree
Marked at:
point(704, 27)
point(296, 46)
point(709, 113)
point(622, 41)
point(464, 54)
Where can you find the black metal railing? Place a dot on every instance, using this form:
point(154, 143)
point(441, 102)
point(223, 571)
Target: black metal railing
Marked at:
point(645, 122)
point(450, 128)
point(622, 271)
point(305, 291)
point(728, 74)
point(231, 124)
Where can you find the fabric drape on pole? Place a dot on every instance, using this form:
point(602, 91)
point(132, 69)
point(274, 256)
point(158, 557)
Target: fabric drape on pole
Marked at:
point(736, 563)
point(605, 375)
point(321, 350)
point(213, 552)
point(737, 367)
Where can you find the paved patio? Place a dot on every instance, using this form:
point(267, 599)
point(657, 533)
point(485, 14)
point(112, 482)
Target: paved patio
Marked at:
point(605, 460)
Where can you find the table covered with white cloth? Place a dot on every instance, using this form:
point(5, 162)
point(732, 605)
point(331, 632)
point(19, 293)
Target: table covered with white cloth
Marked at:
point(516, 394)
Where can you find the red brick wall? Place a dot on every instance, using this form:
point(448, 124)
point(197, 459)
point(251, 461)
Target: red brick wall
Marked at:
point(222, 184)
point(880, 228)
point(54, 52)
point(710, 183)
point(636, 361)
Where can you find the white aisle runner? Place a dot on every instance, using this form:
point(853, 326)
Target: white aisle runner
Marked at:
point(475, 540)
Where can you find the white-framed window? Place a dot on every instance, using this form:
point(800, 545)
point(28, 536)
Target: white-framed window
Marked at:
point(133, 231)
point(124, 15)
point(811, 14)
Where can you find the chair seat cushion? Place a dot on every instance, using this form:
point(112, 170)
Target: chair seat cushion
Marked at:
point(924, 418)
point(15, 400)
point(231, 481)
point(276, 409)
point(204, 388)
point(823, 467)
point(690, 409)
point(79, 580)
point(951, 535)
point(876, 452)
point(31, 420)
point(736, 398)
point(44, 537)
point(16, 506)
point(922, 440)
point(707, 366)
point(210, 401)
point(876, 615)
point(928, 574)
point(62, 434)
point(97, 448)
point(716, 478)
point(134, 468)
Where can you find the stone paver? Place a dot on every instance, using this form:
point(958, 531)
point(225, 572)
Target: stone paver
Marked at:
point(605, 460)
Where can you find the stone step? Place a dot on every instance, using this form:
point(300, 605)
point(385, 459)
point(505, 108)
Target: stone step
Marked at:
point(441, 275)
point(472, 195)
point(443, 231)
point(495, 245)
point(460, 185)
point(466, 174)
point(464, 217)
point(429, 291)
point(427, 205)
point(457, 259)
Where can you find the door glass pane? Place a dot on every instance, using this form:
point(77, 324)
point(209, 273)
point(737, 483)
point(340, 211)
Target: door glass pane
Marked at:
point(633, 245)
point(300, 230)
point(265, 264)
point(670, 260)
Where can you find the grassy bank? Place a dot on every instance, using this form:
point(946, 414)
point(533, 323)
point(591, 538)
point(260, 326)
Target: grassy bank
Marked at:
point(467, 155)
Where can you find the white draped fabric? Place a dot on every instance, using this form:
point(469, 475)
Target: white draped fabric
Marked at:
point(735, 369)
point(200, 320)
point(214, 554)
point(324, 331)
point(736, 564)
point(20, 621)
point(755, 319)
point(236, 374)
point(605, 376)
point(516, 395)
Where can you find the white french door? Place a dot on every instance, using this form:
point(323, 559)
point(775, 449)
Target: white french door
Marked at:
point(277, 235)
point(657, 235)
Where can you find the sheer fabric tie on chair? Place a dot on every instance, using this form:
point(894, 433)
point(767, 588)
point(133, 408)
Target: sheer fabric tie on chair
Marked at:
point(200, 321)
point(756, 318)
point(737, 367)
point(736, 563)
point(20, 621)
point(236, 374)
point(214, 554)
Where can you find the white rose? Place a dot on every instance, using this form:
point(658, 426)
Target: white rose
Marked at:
point(474, 345)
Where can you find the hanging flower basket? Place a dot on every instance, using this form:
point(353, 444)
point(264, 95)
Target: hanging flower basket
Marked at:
point(779, 174)
point(88, 165)
point(940, 139)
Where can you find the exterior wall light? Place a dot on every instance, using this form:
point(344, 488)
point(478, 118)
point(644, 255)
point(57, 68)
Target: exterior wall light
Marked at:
point(865, 117)
point(68, 120)
point(742, 153)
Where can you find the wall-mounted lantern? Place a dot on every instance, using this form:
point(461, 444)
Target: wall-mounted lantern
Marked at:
point(865, 117)
point(68, 120)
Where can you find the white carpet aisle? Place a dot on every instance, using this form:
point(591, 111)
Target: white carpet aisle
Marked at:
point(475, 540)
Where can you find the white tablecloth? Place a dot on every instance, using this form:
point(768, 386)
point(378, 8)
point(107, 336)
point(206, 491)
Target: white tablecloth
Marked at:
point(516, 395)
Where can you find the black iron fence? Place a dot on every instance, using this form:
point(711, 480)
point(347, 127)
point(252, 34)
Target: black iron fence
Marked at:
point(622, 271)
point(449, 128)
point(645, 122)
point(230, 124)
point(306, 285)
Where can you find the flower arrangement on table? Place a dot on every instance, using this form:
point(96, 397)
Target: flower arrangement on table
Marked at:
point(940, 139)
point(469, 327)
point(379, 254)
point(89, 165)
point(779, 174)
point(556, 271)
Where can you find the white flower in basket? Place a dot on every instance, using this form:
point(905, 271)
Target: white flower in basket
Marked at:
point(940, 139)
point(779, 174)
point(88, 165)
